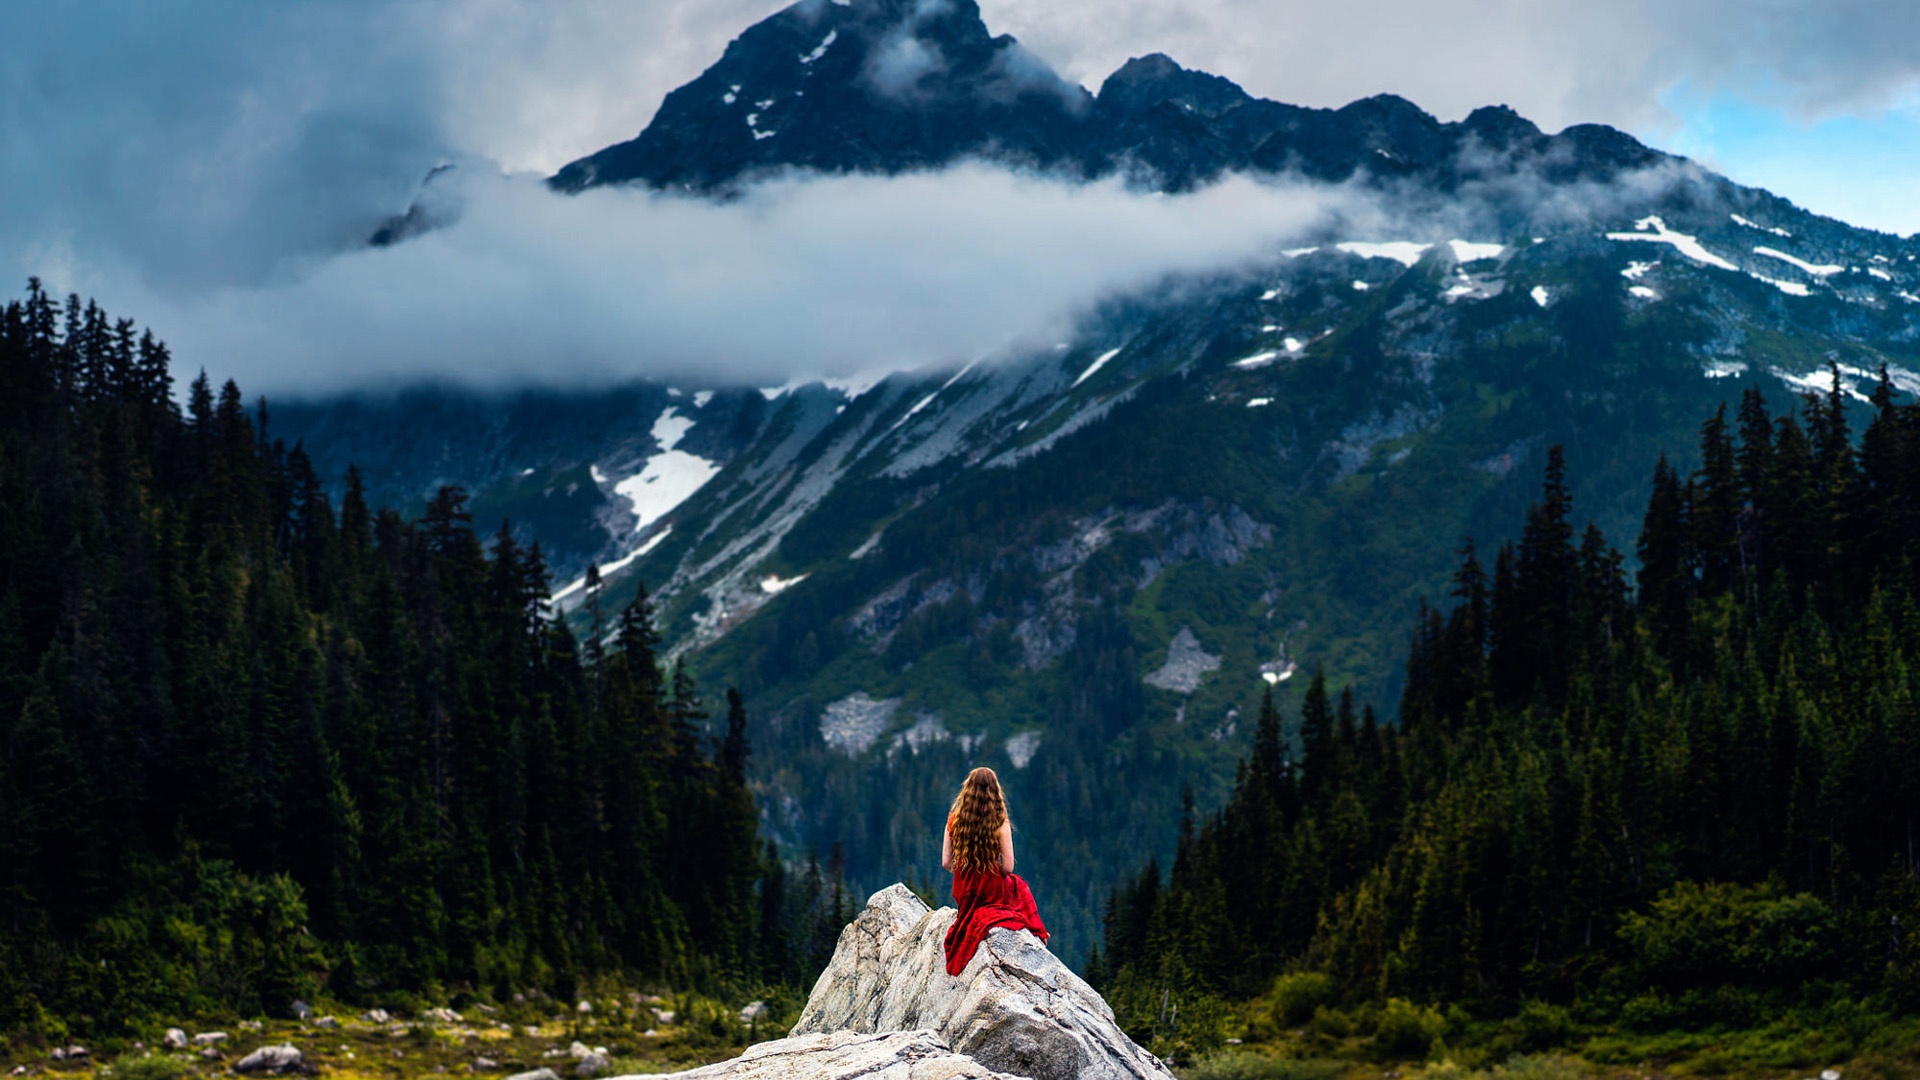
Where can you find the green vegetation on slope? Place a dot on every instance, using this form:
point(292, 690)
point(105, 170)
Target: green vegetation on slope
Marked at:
point(1667, 822)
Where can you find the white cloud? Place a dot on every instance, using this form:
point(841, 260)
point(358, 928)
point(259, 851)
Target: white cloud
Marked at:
point(824, 277)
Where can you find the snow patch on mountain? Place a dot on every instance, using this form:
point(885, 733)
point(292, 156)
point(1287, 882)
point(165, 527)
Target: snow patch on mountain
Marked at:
point(1816, 271)
point(1681, 242)
point(1791, 288)
point(1774, 229)
point(820, 50)
point(1406, 252)
point(1096, 366)
point(1469, 251)
point(575, 591)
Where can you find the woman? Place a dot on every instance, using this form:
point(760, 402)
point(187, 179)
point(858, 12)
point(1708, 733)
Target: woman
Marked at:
point(979, 850)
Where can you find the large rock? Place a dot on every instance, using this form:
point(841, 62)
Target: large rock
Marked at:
point(284, 1058)
point(1015, 1009)
point(845, 1055)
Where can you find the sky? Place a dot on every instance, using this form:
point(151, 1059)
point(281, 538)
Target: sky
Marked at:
point(212, 166)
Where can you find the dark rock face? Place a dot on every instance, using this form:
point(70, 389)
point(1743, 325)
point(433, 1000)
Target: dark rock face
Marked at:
point(887, 86)
point(869, 86)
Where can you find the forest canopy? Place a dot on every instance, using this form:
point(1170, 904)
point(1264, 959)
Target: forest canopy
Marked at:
point(258, 744)
point(1678, 794)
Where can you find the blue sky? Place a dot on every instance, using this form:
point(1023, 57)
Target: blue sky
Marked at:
point(1862, 169)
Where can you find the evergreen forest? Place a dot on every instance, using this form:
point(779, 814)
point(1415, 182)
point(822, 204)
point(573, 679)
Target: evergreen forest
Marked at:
point(260, 747)
point(1673, 793)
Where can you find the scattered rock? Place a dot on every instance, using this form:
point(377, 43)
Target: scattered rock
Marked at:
point(301, 1011)
point(209, 1053)
point(210, 1038)
point(537, 1074)
point(591, 1065)
point(585, 1008)
point(70, 1053)
point(174, 1039)
point(1187, 662)
point(18, 1070)
point(251, 1025)
point(664, 1016)
point(1016, 1008)
point(754, 1012)
point(846, 1055)
point(485, 1063)
point(327, 1022)
point(444, 1015)
point(532, 1032)
point(284, 1058)
point(376, 1016)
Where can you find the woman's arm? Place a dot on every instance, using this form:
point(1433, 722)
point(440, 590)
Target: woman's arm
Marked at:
point(946, 847)
point(1006, 847)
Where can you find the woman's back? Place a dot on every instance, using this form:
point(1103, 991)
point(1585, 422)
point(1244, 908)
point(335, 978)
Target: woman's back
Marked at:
point(978, 848)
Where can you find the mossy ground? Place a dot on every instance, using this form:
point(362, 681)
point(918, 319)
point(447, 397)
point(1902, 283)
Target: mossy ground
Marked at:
point(1858, 1043)
point(487, 1039)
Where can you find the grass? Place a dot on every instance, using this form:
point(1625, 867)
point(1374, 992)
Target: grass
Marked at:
point(486, 1040)
point(1290, 1035)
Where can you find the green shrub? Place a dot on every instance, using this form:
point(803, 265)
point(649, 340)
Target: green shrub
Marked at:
point(1296, 996)
point(1544, 1027)
point(1699, 936)
point(1333, 1023)
point(1408, 1030)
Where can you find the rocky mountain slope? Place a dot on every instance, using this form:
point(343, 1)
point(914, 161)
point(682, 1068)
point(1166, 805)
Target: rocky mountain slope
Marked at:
point(1084, 564)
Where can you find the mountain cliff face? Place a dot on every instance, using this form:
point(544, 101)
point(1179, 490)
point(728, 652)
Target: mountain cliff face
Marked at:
point(1084, 564)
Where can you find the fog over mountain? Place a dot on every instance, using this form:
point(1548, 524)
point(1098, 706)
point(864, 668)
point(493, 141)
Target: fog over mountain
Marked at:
point(214, 169)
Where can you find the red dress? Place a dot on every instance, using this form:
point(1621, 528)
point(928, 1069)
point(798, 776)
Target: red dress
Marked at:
point(987, 900)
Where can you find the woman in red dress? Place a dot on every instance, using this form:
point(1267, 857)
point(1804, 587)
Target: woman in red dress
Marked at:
point(979, 850)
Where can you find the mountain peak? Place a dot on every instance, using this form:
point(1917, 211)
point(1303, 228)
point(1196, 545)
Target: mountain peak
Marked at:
point(889, 86)
point(849, 86)
point(1146, 81)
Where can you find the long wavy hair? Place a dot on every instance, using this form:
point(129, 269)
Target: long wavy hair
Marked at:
point(974, 822)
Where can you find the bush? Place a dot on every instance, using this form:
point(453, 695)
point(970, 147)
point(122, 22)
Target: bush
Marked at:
point(1332, 1023)
point(1543, 1027)
point(1408, 1030)
point(1296, 996)
point(1700, 936)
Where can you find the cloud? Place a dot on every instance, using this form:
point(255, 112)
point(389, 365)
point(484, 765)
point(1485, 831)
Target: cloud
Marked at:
point(816, 276)
point(1559, 62)
point(220, 158)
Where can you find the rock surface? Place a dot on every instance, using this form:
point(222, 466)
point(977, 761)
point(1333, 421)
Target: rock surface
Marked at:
point(1015, 1009)
point(845, 1055)
point(273, 1059)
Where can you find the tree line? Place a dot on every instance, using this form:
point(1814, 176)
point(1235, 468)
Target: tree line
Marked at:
point(1682, 792)
point(259, 744)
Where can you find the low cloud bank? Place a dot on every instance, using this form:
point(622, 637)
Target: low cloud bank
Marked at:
point(817, 276)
